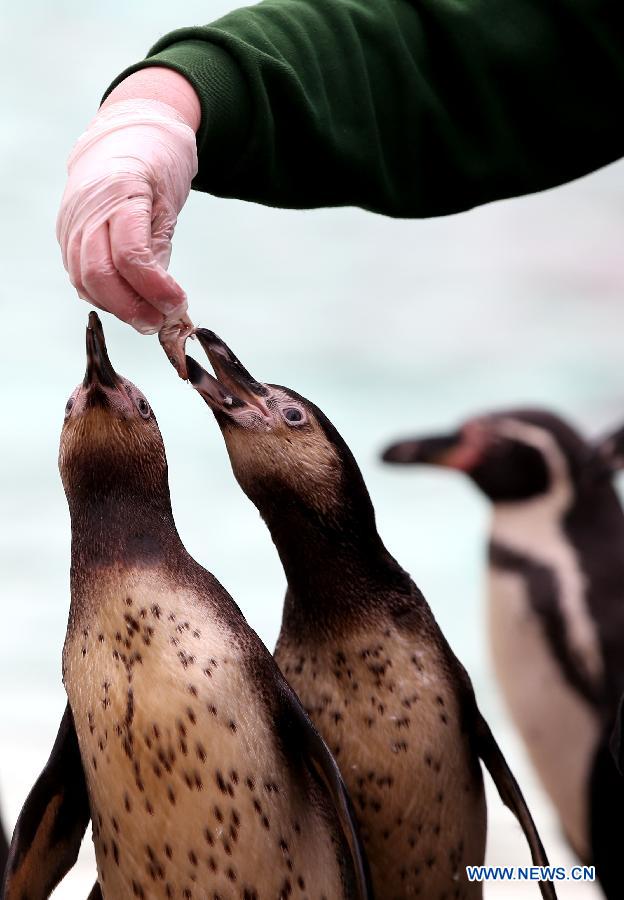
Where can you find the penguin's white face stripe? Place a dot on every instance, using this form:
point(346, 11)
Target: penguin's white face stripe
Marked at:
point(561, 490)
point(534, 528)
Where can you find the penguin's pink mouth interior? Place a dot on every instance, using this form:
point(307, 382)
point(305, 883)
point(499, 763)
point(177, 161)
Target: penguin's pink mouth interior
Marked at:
point(468, 452)
point(463, 450)
point(464, 457)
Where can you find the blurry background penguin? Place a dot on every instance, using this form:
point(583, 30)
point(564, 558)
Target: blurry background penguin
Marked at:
point(361, 647)
point(556, 605)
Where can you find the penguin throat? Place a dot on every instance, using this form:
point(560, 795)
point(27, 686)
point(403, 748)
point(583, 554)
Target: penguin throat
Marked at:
point(122, 529)
point(331, 565)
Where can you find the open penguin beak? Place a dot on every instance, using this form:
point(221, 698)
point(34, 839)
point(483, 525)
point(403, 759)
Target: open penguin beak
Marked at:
point(100, 372)
point(214, 393)
point(233, 388)
point(450, 450)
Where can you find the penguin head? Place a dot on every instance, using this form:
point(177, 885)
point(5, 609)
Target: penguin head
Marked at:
point(283, 449)
point(512, 456)
point(110, 436)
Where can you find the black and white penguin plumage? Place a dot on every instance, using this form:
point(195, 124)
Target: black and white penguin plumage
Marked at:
point(183, 743)
point(360, 645)
point(556, 605)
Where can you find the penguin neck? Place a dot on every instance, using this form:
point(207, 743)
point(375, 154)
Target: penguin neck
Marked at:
point(595, 525)
point(591, 513)
point(121, 527)
point(334, 564)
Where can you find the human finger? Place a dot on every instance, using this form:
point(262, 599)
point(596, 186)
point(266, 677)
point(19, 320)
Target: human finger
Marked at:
point(108, 289)
point(131, 252)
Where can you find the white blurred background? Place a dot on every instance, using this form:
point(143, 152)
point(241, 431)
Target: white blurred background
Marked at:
point(389, 326)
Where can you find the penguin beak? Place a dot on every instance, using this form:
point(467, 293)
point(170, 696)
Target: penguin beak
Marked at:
point(215, 394)
point(99, 369)
point(233, 385)
point(449, 450)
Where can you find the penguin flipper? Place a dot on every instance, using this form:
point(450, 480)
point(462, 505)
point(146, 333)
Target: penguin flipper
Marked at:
point(52, 822)
point(606, 802)
point(4, 851)
point(318, 756)
point(616, 743)
point(511, 795)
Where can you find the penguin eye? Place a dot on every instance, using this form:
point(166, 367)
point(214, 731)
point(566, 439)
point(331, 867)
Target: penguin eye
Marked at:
point(143, 407)
point(69, 405)
point(293, 415)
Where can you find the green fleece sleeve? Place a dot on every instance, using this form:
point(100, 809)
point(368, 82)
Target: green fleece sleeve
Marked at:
point(414, 109)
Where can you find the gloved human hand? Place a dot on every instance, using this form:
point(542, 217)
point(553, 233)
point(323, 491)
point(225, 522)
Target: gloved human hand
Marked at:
point(129, 176)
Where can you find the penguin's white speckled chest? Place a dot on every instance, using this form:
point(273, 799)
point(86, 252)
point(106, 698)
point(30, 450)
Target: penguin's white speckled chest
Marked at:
point(388, 710)
point(190, 796)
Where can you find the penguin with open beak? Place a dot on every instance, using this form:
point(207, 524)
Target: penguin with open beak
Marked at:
point(360, 645)
point(182, 742)
point(556, 605)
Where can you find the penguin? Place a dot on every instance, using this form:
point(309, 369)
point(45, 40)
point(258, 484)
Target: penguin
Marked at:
point(556, 605)
point(4, 849)
point(361, 647)
point(182, 742)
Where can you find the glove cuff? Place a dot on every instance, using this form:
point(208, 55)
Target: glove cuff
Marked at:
point(225, 125)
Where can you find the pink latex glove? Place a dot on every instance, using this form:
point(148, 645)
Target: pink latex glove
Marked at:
point(129, 176)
